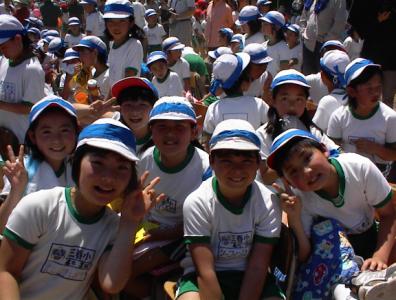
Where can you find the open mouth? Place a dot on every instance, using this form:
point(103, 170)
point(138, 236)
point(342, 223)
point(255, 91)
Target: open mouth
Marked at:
point(314, 179)
point(60, 149)
point(236, 179)
point(103, 190)
point(170, 143)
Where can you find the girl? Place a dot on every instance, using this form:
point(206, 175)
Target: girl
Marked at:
point(225, 36)
point(56, 240)
point(182, 168)
point(50, 140)
point(272, 28)
point(295, 46)
point(136, 97)
point(366, 126)
point(290, 92)
point(249, 20)
point(74, 34)
point(126, 51)
point(154, 31)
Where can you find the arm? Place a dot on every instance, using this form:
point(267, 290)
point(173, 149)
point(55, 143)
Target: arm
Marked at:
point(339, 21)
point(267, 175)
point(209, 287)
point(385, 152)
point(186, 83)
point(22, 108)
point(256, 271)
point(163, 234)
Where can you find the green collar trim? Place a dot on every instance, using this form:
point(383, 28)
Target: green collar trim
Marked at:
point(144, 139)
point(165, 78)
point(18, 62)
point(359, 117)
point(75, 213)
point(181, 166)
point(120, 45)
point(339, 200)
point(61, 170)
point(235, 95)
point(225, 203)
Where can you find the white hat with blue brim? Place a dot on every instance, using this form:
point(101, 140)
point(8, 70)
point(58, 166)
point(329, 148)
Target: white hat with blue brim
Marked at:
point(51, 32)
point(285, 138)
point(274, 17)
point(50, 101)
point(289, 76)
point(173, 108)
point(237, 38)
point(258, 53)
point(94, 2)
point(227, 32)
point(234, 134)
point(264, 2)
point(92, 42)
point(117, 9)
point(10, 27)
point(70, 54)
point(34, 30)
point(155, 56)
point(109, 134)
point(55, 45)
point(334, 63)
point(34, 22)
point(150, 12)
point(356, 67)
point(247, 14)
point(294, 27)
point(219, 52)
point(227, 69)
point(73, 21)
point(333, 43)
point(172, 43)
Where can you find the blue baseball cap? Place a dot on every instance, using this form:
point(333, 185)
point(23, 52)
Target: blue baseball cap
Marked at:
point(258, 53)
point(333, 43)
point(109, 134)
point(227, 32)
point(127, 82)
point(173, 108)
point(117, 9)
point(48, 101)
point(247, 13)
point(150, 12)
point(219, 52)
point(294, 27)
point(70, 54)
point(155, 56)
point(92, 42)
point(284, 139)
point(263, 2)
point(289, 76)
point(34, 30)
point(55, 45)
point(356, 67)
point(274, 17)
point(172, 43)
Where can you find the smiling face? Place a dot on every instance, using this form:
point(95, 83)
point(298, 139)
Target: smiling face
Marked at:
point(290, 99)
point(119, 29)
point(136, 113)
point(159, 68)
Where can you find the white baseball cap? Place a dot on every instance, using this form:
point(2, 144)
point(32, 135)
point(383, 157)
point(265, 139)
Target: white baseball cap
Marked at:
point(70, 54)
point(333, 43)
point(155, 56)
point(234, 134)
point(294, 27)
point(92, 42)
point(55, 45)
point(173, 108)
point(219, 51)
point(94, 2)
point(274, 17)
point(73, 21)
point(334, 63)
point(172, 43)
point(264, 2)
point(258, 53)
point(117, 9)
point(109, 134)
point(356, 67)
point(150, 12)
point(9, 27)
point(248, 13)
point(289, 76)
point(48, 101)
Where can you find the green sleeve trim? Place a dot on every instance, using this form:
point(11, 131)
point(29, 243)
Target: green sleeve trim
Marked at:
point(14, 237)
point(196, 240)
point(131, 68)
point(390, 144)
point(385, 201)
point(265, 240)
point(108, 248)
point(30, 104)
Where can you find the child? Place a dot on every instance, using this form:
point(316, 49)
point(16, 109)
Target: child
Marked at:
point(295, 46)
point(366, 125)
point(225, 36)
point(272, 28)
point(237, 43)
point(56, 240)
point(249, 20)
point(230, 223)
point(136, 97)
point(231, 75)
point(50, 141)
point(198, 40)
point(154, 31)
point(94, 23)
point(173, 50)
point(182, 168)
point(126, 51)
point(264, 6)
point(347, 188)
point(332, 68)
point(33, 35)
point(166, 82)
point(74, 34)
point(353, 43)
point(290, 92)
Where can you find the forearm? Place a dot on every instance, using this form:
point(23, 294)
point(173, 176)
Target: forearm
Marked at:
point(385, 152)
point(116, 267)
point(386, 238)
point(8, 206)
point(186, 84)
point(163, 234)
point(22, 108)
point(186, 14)
point(209, 287)
point(8, 287)
point(253, 282)
point(268, 175)
point(304, 245)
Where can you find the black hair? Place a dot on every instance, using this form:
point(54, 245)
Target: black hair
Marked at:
point(134, 32)
point(135, 93)
point(86, 149)
point(31, 148)
point(236, 87)
point(234, 152)
point(226, 36)
point(254, 26)
point(365, 76)
point(280, 34)
point(298, 144)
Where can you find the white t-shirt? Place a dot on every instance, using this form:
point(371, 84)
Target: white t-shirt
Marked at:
point(154, 34)
point(65, 247)
point(21, 83)
point(251, 109)
point(138, 13)
point(256, 87)
point(365, 189)
point(353, 48)
point(266, 140)
point(379, 127)
point(128, 55)
point(297, 53)
point(230, 232)
point(182, 68)
point(257, 38)
point(175, 183)
point(95, 24)
point(318, 89)
point(172, 85)
point(72, 40)
point(103, 82)
point(327, 105)
point(278, 53)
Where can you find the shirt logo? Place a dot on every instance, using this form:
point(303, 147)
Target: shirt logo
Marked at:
point(233, 244)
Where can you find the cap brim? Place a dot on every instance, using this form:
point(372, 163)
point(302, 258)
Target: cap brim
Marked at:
point(111, 146)
point(172, 116)
point(76, 47)
point(264, 60)
point(73, 23)
point(52, 104)
point(152, 14)
point(358, 72)
point(235, 144)
point(240, 23)
point(116, 15)
point(245, 59)
point(294, 82)
point(212, 54)
point(155, 58)
point(126, 83)
point(177, 47)
point(70, 58)
point(3, 40)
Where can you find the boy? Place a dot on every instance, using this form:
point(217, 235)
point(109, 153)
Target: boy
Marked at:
point(348, 188)
point(95, 24)
point(230, 223)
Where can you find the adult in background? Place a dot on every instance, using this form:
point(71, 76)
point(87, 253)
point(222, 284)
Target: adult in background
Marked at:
point(321, 20)
point(180, 24)
point(218, 15)
point(50, 13)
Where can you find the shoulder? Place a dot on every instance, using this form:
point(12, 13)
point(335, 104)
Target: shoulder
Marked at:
point(386, 110)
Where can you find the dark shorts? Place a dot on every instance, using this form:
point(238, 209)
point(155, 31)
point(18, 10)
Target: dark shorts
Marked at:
point(364, 244)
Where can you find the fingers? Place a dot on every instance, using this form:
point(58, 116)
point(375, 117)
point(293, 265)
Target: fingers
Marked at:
point(287, 187)
point(153, 183)
point(21, 154)
point(109, 102)
point(373, 265)
point(278, 188)
point(143, 178)
point(11, 154)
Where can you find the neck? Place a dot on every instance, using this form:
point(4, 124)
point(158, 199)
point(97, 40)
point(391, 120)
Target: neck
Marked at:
point(332, 186)
point(56, 165)
point(141, 133)
point(364, 110)
point(99, 69)
point(173, 161)
point(234, 197)
point(81, 205)
point(119, 42)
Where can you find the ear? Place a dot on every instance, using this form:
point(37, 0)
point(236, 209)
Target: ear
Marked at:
point(32, 136)
point(194, 132)
point(351, 92)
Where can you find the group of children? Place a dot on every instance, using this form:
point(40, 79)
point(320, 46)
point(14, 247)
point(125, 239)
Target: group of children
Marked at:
point(102, 192)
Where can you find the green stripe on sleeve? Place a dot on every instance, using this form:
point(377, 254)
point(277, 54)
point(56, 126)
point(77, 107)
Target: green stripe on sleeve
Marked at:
point(196, 240)
point(265, 240)
point(385, 201)
point(14, 237)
